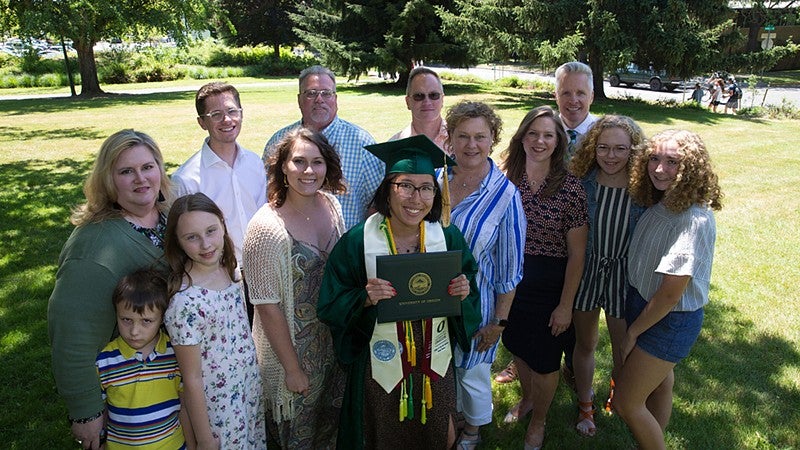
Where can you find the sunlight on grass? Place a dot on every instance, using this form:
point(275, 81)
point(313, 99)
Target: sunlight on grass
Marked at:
point(739, 388)
point(12, 340)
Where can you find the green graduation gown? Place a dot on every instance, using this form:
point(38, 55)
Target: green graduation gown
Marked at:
point(341, 307)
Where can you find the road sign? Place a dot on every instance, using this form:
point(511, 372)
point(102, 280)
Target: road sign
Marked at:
point(769, 27)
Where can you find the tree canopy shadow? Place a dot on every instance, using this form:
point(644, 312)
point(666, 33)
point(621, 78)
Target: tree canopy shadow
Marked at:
point(34, 224)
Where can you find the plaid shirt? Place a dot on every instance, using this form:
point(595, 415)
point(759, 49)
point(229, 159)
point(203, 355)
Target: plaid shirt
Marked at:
point(362, 170)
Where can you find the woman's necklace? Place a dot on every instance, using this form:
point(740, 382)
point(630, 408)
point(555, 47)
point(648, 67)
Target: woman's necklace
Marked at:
point(418, 246)
point(302, 214)
point(473, 181)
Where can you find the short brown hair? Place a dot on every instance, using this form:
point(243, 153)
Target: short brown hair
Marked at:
point(140, 290)
point(211, 89)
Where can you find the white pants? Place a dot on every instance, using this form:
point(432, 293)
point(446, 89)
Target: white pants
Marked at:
point(474, 392)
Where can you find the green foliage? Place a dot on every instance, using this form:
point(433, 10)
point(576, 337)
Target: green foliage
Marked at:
point(786, 110)
point(762, 60)
point(388, 35)
point(565, 50)
point(86, 22)
point(238, 56)
point(260, 22)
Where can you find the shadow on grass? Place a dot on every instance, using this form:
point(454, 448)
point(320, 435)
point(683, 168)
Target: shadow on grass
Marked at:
point(19, 134)
point(67, 104)
point(736, 369)
point(733, 391)
point(34, 224)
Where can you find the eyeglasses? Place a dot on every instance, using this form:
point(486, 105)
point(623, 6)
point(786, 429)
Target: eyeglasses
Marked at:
point(219, 116)
point(617, 150)
point(432, 96)
point(406, 190)
point(312, 94)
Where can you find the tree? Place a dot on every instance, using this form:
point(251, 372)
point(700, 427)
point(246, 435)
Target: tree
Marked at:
point(755, 14)
point(86, 22)
point(355, 36)
point(261, 22)
point(680, 36)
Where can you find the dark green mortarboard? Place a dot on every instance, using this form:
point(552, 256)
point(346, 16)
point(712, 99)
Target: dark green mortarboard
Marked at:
point(416, 155)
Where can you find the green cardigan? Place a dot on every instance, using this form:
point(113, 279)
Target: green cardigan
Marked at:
point(341, 307)
point(80, 316)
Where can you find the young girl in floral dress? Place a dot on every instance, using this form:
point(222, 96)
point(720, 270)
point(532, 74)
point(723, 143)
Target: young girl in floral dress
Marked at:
point(207, 322)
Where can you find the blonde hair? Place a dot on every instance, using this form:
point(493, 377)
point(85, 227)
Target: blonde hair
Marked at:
point(99, 189)
point(585, 158)
point(696, 182)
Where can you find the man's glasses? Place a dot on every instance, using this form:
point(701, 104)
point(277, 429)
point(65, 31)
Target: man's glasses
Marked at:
point(432, 96)
point(312, 94)
point(219, 116)
point(406, 190)
point(617, 150)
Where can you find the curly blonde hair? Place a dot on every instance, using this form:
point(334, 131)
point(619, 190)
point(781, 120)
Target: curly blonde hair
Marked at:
point(696, 182)
point(585, 160)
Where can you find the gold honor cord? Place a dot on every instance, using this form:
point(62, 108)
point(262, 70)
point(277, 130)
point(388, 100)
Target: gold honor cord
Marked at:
point(406, 407)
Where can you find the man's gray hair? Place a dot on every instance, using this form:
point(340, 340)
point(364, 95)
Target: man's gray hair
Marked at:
point(316, 70)
point(574, 67)
point(421, 70)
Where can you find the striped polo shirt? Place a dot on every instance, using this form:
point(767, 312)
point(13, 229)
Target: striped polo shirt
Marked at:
point(141, 395)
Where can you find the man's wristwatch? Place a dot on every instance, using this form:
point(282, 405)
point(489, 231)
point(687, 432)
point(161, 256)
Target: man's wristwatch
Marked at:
point(500, 322)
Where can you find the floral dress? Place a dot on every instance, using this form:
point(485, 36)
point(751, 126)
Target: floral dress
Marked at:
point(317, 418)
point(217, 322)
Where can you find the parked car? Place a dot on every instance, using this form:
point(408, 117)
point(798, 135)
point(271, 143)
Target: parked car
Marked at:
point(633, 74)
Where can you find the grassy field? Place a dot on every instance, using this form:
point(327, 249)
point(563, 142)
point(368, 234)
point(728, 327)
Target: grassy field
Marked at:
point(739, 388)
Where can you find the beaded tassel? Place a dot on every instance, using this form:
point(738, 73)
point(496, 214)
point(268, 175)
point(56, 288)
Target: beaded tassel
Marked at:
point(403, 396)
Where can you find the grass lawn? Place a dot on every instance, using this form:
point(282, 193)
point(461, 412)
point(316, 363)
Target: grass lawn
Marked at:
point(739, 388)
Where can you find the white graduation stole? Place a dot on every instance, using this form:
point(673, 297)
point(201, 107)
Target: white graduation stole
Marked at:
point(385, 345)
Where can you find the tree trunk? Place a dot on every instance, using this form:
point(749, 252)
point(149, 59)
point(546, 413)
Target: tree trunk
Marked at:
point(596, 63)
point(276, 51)
point(90, 85)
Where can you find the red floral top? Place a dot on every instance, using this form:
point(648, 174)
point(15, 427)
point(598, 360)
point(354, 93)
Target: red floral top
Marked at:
point(550, 218)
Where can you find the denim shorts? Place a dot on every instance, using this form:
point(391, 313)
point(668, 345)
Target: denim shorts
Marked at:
point(669, 339)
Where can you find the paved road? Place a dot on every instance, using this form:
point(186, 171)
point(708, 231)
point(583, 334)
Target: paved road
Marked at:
point(774, 96)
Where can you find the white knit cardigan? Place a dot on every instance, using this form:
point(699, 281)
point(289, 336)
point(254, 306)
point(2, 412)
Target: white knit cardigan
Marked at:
point(267, 254)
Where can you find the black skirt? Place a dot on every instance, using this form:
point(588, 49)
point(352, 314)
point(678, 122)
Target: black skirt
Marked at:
point(528, 335)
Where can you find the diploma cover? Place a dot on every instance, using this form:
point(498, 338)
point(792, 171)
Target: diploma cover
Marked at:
point(421, 281)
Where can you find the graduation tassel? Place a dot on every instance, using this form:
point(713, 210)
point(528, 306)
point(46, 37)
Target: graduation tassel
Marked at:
point(410, 355)
point(413, 350)
point(403, 397)
point(423, 415)
point(428, 392)
point(445, 195)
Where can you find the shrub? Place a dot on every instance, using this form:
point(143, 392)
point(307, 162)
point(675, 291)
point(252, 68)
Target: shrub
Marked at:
point(239, 56)
point(511, 82)
point(114, 73)
point(52, 80)
point(9, 81)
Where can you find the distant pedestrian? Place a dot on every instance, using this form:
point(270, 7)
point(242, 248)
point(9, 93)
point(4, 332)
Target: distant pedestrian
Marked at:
point(697, 94)
point(734, 95)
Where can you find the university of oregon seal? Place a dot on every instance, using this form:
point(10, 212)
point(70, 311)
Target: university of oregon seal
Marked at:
point(384, 350)
point(419, 283)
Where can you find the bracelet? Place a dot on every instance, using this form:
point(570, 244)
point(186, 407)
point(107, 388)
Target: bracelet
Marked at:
point(85, 419)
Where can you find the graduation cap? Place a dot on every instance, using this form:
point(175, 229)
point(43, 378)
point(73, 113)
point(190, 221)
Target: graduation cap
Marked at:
point(416, 155)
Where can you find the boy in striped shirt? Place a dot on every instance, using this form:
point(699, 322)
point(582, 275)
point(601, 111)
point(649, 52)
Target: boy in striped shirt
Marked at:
point(138, 371)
